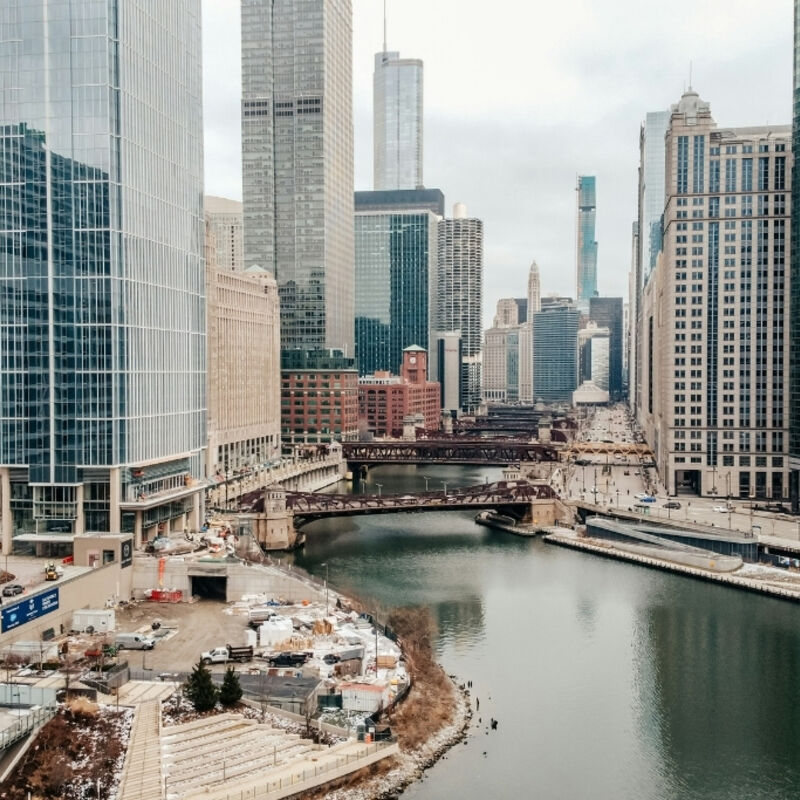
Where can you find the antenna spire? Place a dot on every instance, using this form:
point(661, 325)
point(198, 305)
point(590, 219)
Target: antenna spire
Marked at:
point(384, 26)
point(690, 75)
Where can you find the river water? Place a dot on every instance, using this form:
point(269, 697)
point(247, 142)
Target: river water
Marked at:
point(609, 681)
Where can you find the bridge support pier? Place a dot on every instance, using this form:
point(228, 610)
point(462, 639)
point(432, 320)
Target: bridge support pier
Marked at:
point(542, 513)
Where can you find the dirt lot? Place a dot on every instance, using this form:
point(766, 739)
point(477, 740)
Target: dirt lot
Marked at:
point(199, 626)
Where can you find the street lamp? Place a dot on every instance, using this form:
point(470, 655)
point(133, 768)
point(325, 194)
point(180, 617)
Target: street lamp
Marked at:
point(617, 498)
point(444, 483)
point(426, 479)
point(380, 486)
point(327, 604)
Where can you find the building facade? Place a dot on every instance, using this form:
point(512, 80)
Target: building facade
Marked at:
point(794, 375)
point(224, 220)
point(297, 163)
point(319, 397)
point(386, 401)
point(459, 295)
point(397, 122)
point(586, 250)
point(501, 364)
point(594, 355)
point(715, 353)
point(533, 304)
point(244, 395)
point(606, 312)
point(395, 261)
point(555, 353)
point(102, 310)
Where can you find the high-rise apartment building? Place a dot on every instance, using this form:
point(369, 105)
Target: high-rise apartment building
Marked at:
point(244, 394)
point(606, 312)
point(459, 295)
point(555, 353)
point(224, 220)
point(715, 350)
point(297, 163)
point(794, 374)
point(586, 250)
point(397, 120)
point(395, 259)
point(102, 287)
point(501, 354)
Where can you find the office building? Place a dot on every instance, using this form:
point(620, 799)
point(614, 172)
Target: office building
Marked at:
point(102, 316)
point(555, 353)
point(794, 316)
point(395, 261)
point(386, 401)
point(445, 367)
point(593, 355)
point(507, 313)
point(533, 303)
point(715, 354)
point(224, 219)
point(459, 295)
point(244, 396)
point(297, 163)
point(501, 364)
point(319, 397)
point(606, 312)
point(586, 250)
point(647, 234)
point(397, 120)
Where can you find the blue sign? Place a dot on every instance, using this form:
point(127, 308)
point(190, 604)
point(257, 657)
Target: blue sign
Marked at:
point(29, 609)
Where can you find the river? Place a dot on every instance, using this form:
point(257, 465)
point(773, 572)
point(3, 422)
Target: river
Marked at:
point(609, 681)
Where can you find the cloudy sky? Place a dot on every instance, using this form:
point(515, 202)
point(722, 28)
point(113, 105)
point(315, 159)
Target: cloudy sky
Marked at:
point(520, 97)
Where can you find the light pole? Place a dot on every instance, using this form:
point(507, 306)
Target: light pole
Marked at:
point(618, 498)
point(426, 479)
point(444, 483)
point(327, 604)
point(380, 486)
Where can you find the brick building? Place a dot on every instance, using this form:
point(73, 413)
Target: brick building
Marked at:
point(319, 397)
point(385, 400)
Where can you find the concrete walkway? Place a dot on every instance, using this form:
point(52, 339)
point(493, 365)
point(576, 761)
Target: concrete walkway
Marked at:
point(141, 775)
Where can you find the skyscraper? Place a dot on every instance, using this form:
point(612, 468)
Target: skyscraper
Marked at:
point(533, 304)
point(395, 257)
point(607, 313)
point(459, 295)
point(715, 354)
point(297, 163)
point(794, 316)
point(397, 122)
point(555, 353)
point(586, 251)
point(102, 298)
point(224, 219)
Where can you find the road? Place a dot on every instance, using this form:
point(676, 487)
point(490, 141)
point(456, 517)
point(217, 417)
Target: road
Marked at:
point(617, 486)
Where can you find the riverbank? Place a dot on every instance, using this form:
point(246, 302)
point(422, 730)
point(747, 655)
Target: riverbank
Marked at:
point(500, 522)
point(750, 577)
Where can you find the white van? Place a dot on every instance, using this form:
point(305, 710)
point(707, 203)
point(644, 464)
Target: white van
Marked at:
point(134, 641)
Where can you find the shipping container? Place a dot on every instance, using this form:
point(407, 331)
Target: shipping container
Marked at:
point(98, 619)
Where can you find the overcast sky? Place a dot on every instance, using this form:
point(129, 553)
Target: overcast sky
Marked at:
point(521, 97)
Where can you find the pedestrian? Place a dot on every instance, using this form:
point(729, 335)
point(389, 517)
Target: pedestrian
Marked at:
point(477, 704)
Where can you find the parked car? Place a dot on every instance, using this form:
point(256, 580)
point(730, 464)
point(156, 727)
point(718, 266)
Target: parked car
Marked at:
point(134, 641)
point(723, 509)
point(672, 504)
point(645, 498)
point(12, 590)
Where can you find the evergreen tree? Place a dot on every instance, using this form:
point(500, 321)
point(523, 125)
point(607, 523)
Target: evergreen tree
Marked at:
point(231, 692)
point(199, 688)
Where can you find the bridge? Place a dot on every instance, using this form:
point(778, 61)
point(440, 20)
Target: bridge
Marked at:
point(497, 452)
point(617, 450)
point(513, 496)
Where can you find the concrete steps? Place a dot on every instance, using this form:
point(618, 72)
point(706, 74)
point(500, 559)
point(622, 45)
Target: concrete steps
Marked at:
point(141, 775)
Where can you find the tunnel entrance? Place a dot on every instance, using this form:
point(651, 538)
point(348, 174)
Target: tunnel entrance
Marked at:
point(210, 587)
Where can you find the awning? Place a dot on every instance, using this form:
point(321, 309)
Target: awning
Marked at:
point(34, 538)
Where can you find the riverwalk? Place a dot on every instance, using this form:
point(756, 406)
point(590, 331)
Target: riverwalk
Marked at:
point(751, 577)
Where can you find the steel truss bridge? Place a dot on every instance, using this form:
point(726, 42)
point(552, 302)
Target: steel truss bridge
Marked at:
point(511, 495)
point(449, 451)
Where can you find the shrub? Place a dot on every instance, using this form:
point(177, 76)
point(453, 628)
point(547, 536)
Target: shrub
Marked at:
point(231, 692)
point(199, 689)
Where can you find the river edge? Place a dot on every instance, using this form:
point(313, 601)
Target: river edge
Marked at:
point(388, 781)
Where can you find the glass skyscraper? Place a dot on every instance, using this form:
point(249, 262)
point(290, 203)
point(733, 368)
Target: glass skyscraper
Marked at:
point(586, 268)
point(297, 163)
point(102, 306)
point(396, 252)
point(555, 354)
point(397, 120)
point(607, 313)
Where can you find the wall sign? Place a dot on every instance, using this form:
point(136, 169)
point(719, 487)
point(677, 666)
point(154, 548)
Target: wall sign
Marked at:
point(29, 609)
point(126, 553)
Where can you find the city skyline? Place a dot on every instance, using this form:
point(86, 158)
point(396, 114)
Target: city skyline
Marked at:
point(525, 190)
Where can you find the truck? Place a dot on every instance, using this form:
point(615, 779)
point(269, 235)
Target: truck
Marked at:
point(134, 641)
point(288, 659)
point(225, 653)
